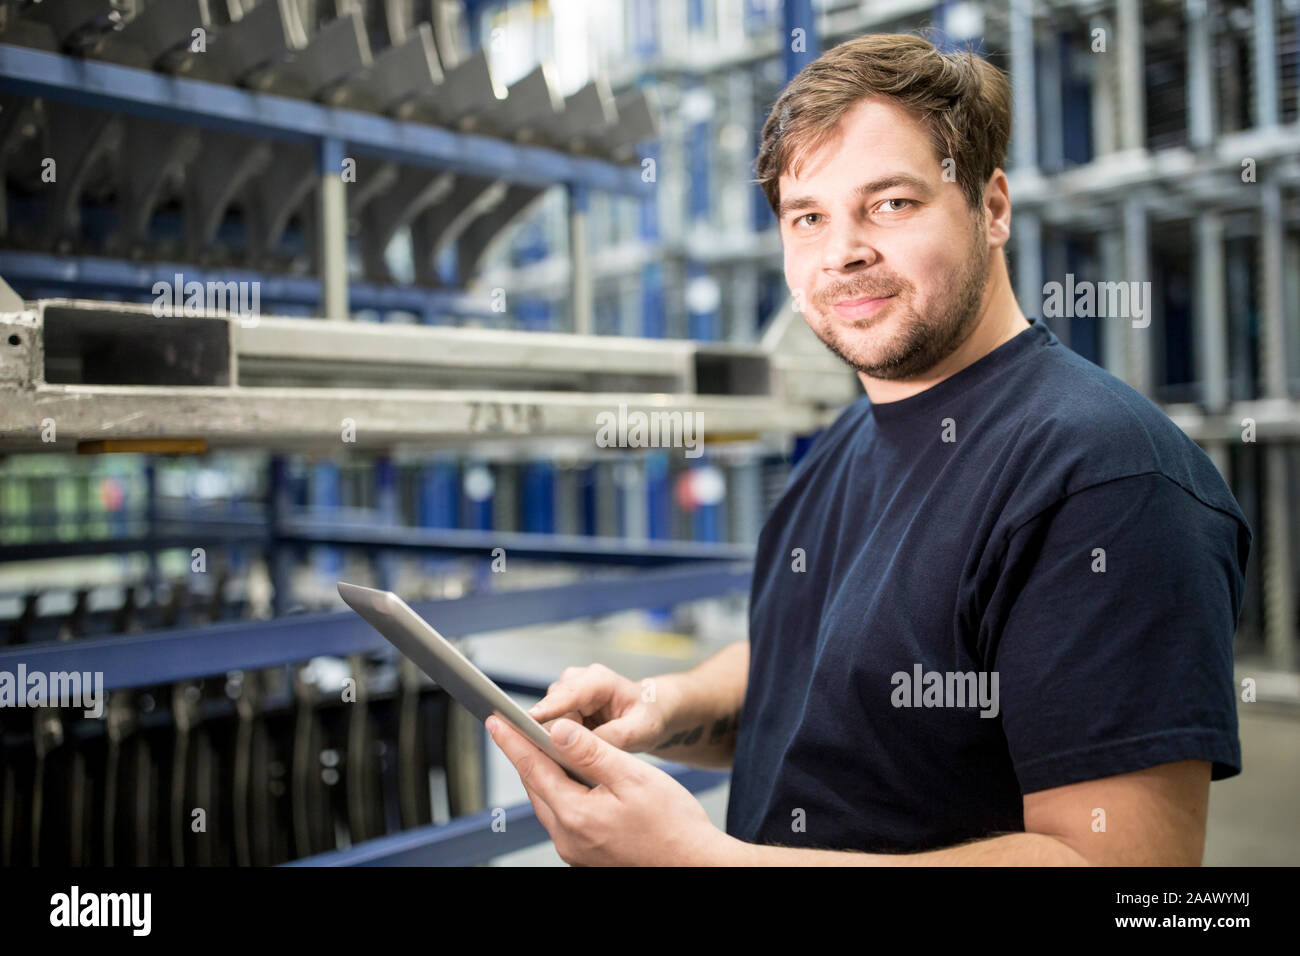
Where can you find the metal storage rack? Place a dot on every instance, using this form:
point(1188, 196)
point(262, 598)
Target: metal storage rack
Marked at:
point(1152, 188)
point(1125, 163)
point(291, 105)
point(1107, 158)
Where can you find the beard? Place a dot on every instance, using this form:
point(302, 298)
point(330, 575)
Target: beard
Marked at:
point(922, 340)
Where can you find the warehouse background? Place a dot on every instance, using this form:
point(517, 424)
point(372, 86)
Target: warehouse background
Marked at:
point(433, 189)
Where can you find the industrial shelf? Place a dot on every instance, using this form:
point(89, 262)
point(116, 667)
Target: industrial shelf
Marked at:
point(84, 276)
point(141, 660)
point(472, 184)
point(195, 102)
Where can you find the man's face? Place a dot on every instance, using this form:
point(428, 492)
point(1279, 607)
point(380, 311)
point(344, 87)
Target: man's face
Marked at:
point(890, 260)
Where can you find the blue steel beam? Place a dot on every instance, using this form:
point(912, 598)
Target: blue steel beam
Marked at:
point(517, 544)
point(88, 276)
point(29, 72)
point(798, 49)
point(204, 532)
point(138, 660)
point(472, 839)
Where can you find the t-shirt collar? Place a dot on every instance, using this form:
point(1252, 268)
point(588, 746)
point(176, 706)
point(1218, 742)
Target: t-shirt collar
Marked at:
point(983, 368)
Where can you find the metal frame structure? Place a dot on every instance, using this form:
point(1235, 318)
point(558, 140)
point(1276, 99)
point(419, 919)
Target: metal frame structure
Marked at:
point(1125, 190)
point(332, 132)
point(210, 378)
point(121, 89)
point(164, 657)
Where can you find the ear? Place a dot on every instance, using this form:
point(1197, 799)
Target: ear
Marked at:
point(997, 209)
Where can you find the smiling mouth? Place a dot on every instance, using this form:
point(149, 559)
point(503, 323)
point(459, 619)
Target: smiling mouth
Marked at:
point(864, 300)
point(860, 308)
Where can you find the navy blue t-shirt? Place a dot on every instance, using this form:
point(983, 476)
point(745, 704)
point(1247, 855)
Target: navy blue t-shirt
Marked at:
point(1023, 577)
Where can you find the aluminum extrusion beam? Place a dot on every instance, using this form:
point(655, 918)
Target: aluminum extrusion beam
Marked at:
point(100, 370)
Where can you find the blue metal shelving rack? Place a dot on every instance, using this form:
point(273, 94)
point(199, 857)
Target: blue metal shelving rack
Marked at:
point(161, 657)
point(333, 132)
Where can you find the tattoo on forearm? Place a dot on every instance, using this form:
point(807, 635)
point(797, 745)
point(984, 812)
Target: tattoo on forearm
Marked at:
point(721, 729)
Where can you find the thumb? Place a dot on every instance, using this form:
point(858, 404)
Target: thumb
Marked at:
point(622, 733)
point(597, 760)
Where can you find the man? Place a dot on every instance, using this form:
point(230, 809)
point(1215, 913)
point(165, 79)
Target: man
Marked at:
point(992, 615)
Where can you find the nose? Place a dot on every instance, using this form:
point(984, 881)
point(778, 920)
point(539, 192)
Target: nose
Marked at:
point(847, 250)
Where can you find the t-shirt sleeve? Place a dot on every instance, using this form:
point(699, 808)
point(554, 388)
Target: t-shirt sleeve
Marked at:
point(1117, 609)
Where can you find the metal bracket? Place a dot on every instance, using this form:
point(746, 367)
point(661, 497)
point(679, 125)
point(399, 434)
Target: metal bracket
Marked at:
point(263, 36)
point(282, 188)
point(224, 168)
point(442, 223)
point(159, 155)
point(146, 38)
point(340, 50)
point(475, 240)
point(80, 139)
point(417, 188)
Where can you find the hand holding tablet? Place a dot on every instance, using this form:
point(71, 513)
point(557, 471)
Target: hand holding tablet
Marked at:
point(436, 656)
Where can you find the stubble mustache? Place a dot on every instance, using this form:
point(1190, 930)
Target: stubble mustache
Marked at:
point(826, 299)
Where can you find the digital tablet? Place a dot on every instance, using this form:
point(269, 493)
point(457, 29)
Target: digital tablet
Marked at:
point(434, 654)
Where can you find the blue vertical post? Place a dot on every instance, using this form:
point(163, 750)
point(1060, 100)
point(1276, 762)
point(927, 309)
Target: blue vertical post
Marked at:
point(121, 519)
point(1084, 337)
point(1076, 104)
point(236, 558)
point(439, 504)
point(761, 215)
point(388, 506)
point(699, 145)
point(280, 561)
point(151, 521)
point(645, 29)
point(799, 45)
point(587, 499)
point(653, 324)
point(539, 498)
point(659, 518)
point(326, 496)
point(648, 205)
point(473, 21)
point(659, 496)
point(652, 273)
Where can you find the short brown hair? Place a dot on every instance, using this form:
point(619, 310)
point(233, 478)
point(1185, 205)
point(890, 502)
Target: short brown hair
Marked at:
point(960, 98)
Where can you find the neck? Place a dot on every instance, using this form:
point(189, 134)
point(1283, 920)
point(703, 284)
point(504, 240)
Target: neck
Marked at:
point(1000, 321)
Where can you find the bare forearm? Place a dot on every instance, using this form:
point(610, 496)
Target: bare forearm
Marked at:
point(1012, 849)
point(705, 705)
